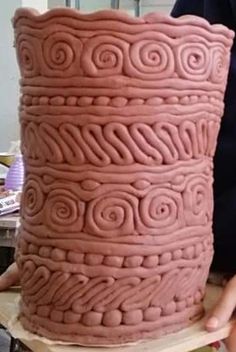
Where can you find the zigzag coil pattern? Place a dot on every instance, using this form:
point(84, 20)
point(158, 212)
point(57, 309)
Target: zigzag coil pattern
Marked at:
point(114, 143)
point(119, 120)
point(82, 295)
point(89, 303)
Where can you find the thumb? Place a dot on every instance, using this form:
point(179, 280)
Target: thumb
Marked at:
point(10, 277)
point(231, 340)
point(223, 310)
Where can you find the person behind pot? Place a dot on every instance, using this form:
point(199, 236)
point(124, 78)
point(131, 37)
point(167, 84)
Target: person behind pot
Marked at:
point(224, 224)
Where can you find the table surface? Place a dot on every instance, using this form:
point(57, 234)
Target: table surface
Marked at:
point(183, 341)
point(8, 229)
point(9, 221)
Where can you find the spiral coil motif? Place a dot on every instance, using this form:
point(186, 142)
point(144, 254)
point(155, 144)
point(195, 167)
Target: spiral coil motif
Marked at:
point(112, 215)
point(193, 61)
point(104, 56)
point(63, 211)
point(32, 201)
point(61, 54)
point(220, 62)
point(151, 60)
point(198, 199)
point(26, 49)
point(162, 210)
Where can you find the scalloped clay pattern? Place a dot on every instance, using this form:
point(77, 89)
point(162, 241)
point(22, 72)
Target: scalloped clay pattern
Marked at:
point(119, 120)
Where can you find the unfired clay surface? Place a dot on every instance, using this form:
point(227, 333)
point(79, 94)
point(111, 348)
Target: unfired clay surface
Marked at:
point(119, 121)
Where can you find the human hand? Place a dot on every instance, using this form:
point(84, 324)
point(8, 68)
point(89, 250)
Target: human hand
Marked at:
point(10, 277)
point(222, 313)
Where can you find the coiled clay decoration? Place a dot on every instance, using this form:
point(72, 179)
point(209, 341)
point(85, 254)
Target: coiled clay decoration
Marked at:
point(119, 120)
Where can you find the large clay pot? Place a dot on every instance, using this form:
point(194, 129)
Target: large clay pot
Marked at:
point(119, 119)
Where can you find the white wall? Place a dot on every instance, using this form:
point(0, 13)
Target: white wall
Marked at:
point(8, 77)
point(55, 3)
point(164, 6)
point(147, 5)
point(9, 74)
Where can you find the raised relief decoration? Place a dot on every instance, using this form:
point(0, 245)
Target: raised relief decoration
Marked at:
point(119, 119)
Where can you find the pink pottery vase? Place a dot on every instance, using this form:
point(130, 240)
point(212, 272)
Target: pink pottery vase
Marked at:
point(119, 119)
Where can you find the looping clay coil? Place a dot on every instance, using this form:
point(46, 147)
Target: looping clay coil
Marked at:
point(119, 120)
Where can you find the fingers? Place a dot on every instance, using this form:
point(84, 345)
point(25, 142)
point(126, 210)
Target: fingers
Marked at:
point(10, 278)
point(221, 314)
point(231, 341)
